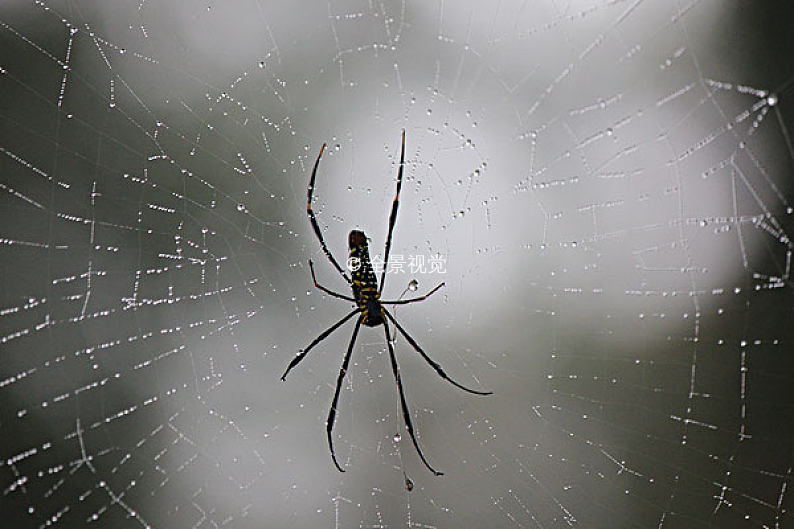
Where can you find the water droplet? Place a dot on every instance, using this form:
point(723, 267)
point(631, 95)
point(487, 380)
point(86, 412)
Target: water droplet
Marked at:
point(413, 285)
point(397, 438)
point(240, 207)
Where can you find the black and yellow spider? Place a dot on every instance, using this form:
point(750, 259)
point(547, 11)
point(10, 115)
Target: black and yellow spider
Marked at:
point(369, 307)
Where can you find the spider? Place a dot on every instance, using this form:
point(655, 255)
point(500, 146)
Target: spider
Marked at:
point(369, 307)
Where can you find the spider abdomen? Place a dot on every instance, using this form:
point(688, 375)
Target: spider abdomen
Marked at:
point(365, 284)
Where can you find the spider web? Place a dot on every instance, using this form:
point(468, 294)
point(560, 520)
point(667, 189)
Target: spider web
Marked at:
point(608, 187)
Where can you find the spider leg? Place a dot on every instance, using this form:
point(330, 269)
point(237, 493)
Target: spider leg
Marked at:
point(412, 300)
point(393, 216)
point(303, 352)
point(313, 219)
point(433, 364)
point(332, 413)
point(406, 414)
point(327, 291)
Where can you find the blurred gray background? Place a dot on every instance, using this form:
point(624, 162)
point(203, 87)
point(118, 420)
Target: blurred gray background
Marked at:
point(607, 184)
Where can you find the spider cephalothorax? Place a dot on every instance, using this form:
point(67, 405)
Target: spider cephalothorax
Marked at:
point(370, 309)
